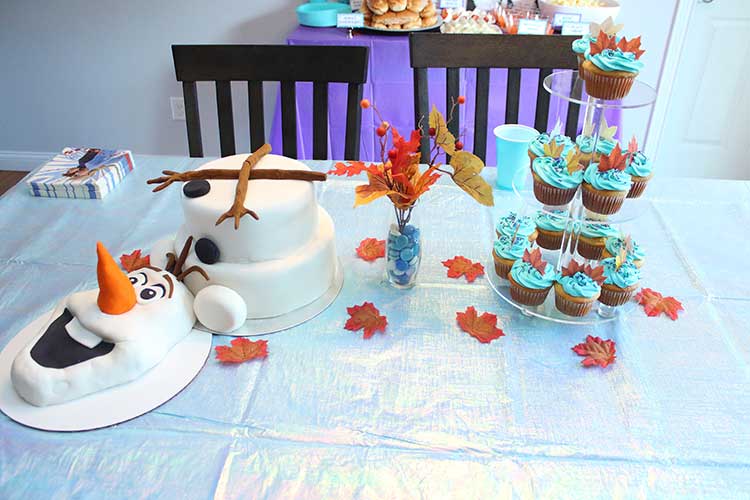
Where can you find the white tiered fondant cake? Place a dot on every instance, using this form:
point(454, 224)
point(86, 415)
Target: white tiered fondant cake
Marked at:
point(284, 260)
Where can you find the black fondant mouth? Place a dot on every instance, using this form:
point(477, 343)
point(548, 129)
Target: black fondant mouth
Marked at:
point(56, 349)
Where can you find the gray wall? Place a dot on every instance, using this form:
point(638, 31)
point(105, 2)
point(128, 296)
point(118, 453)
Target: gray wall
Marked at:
point(100, 73)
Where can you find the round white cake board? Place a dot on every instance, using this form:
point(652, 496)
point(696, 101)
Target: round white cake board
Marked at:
point(264, 326)
point(111, 406)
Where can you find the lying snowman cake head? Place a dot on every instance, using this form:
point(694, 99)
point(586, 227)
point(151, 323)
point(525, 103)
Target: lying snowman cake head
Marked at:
point(108, 336)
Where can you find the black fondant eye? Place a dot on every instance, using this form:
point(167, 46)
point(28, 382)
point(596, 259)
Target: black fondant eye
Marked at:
point(207, 251)
point(138, 278)
point(133, 280)
point(148, 293)
point(197, 188)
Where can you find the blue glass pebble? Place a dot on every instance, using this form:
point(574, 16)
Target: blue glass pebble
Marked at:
point(416, 249)
point(401, 265)
point(407, 254)
point(400, 242)
point(414, 261)
point(409, 229)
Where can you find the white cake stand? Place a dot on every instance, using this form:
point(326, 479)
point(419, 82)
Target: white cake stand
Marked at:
point(111, 406)
point(265, 326)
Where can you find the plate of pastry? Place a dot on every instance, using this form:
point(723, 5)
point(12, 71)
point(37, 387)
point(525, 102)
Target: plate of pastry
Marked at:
point(400, 16)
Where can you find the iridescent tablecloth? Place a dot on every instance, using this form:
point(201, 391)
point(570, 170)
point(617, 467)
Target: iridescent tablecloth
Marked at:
point(424, 411)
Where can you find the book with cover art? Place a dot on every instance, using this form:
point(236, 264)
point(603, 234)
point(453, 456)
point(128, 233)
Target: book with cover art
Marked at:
point(84, 173)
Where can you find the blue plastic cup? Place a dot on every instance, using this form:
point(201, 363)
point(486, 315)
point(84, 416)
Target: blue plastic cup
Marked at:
point(512, 144)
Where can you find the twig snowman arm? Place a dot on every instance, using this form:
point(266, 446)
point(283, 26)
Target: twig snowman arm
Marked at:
point(238, 210)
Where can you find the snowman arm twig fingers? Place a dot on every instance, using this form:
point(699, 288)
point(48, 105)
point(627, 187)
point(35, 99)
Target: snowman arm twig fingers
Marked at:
point(238, 210)
point(229, 174)
point(192, 269)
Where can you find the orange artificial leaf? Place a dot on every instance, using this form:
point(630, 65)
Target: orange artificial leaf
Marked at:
point(614, 161)
point(654, 303)
point(461, 266)
point(365, 317)
point(602, 43)
point(535, 259)
point(633, 45)
point(483, 328)
point(374, 189)
point(350, 169)
point(242, 350)
point(133, 261)
point(371, 249)
point(595, 273)
point(407, 153)
point(596, 352)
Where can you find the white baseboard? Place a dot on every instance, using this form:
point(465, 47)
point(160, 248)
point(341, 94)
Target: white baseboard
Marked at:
point(23, 160)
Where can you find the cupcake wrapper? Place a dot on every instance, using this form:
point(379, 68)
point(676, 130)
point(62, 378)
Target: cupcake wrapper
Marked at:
point(637, 188)
point(589, 251)
point(501, 268)
point(550, 195)
point(607, 87)
point(600, 203)
point(616, 297)
point(527, 296)
point(550, 240)
point(580, 64)
point(571, 308)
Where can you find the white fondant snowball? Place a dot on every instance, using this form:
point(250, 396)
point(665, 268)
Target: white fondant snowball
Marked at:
point(220, 309)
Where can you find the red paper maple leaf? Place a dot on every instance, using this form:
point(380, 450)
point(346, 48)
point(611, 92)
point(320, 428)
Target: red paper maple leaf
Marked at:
point(633, 45)
point(365, 317)
point(483, 328)
point(633, 146)
point(459, 266)
point(133, 261)
point(371, 249)
point(654, 303)
point(595, 273)
point(405, 151)
point(602, 43)
point(535, 259)
point(350, 169)
point(596, 351)
point(614, 161)
point(242, 350)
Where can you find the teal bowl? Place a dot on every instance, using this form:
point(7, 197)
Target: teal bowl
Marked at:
point(321, 15)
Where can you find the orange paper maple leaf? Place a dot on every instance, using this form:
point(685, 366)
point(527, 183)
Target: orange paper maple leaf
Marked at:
point(596, 351)
point(365, 317)
point(371, 249)
point(633, 45)
point(483, 328)
point(602, 43)
point(242, 350)
point(614, 161)
point(654, 303)
point(133, 261)
point(595, 273)
point(461, 266)
point(350, 169)
point(406, 152)
point(535, 259)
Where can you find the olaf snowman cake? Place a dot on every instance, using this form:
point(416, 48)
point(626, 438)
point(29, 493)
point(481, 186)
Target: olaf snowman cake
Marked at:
point(259, 233)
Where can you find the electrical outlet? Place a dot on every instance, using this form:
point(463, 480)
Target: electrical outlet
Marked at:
point(178, 108)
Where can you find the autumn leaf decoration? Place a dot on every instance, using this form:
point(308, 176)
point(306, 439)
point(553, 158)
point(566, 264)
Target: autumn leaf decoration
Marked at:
point(572, 159)
point(654, 304)
point(367, 318)
point(614, 161)
point(535, 259)
point(242, 350)
point(398, 175)
point(461, 266)
point(134, 261)
point(608, 42)
point(371, 249)
point(483, 328)
point(633, 46)
point(553, 150)
point(596, 352)
point(574, 267)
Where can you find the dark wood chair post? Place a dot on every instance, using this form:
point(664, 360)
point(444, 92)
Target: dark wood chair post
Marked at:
point(422, 108)
point(440, 50)
point(287, 64)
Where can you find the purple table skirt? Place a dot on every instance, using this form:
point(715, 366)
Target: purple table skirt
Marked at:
point(390, 87)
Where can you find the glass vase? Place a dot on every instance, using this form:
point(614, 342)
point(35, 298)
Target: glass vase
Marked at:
point(403, 249)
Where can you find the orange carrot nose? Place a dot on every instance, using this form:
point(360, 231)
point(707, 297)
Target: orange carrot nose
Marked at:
point(116, 293)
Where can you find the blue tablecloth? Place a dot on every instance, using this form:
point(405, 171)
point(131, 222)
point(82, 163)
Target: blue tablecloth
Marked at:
point(424, 411)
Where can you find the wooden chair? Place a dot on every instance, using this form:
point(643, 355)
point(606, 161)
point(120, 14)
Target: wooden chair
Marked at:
point(456, 51)
point(287, 64)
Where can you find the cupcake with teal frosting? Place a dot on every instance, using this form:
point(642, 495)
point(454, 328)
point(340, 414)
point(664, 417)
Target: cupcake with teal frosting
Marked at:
point(621, 278)
point(556, 175)
point(633, 252)
point(612, 66)
point(606, 184)
point(513, 225)
point(551, 228)
point(531, 279)
point(506, 251)
point(582, 46)
point(536, 148)
point(577, 288)
point(592, 239)
point(641, 171)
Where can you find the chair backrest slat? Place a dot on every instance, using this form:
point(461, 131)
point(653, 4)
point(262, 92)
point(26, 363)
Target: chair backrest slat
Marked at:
point(452, 87)
point(226, 117)
point(289, 118)
point(422, 109)
point(455, 51)
point(256, 116)
point(353, 121)
point(286, 64)
point(193, 119)
point(481, 108)
point(571, 120)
